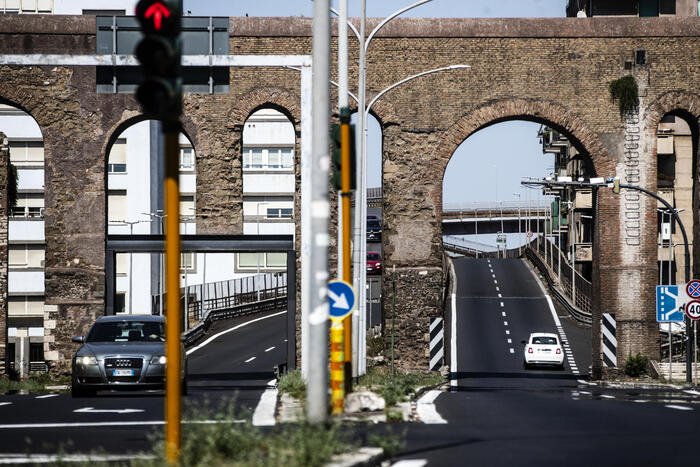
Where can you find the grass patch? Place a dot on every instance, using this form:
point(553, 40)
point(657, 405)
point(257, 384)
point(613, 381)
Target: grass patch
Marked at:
point(396, 388)
point(35, 383)
point(227, 443)
point(293, 384)
point(636, 365)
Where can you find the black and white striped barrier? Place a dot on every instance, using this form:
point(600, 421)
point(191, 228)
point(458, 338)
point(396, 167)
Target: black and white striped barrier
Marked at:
point(609, 340)
point(437, 343)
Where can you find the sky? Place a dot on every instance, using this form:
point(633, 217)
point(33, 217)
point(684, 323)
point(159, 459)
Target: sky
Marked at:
point(513, 147)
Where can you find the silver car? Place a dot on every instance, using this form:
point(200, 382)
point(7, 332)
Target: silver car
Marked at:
point(122, 352)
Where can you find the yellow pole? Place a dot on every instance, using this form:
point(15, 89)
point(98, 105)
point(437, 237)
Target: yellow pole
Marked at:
point(173, 401)
point(337, 368)
point(347, 259)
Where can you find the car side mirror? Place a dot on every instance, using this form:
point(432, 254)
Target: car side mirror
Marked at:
point(522, 342)
point(77, 339)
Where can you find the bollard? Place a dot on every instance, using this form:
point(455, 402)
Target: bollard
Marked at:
point(337, 368)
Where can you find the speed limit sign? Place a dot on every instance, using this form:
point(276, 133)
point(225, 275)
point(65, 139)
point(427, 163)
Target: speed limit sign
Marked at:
point(692, 309)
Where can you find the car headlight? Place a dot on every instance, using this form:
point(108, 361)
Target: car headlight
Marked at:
point(86, 360)
point(158, 360)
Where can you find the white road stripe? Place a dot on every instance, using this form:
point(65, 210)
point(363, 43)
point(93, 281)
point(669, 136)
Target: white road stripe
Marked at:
point(495, 281)
point(453, 341)
point(493, 275)
point(500, 296)
point(503, 313)
point(510, 341)
point(5, 403)
point(46, 396)
point(250, 360)
point(425, 408)
point(264, 414)
point(267, 350)
point(512, 350)
point(502, 305)
point(61, 458)
point(507, 331)
point(410, 463)
point(497, 289)
point(98, 424)
point(678, 407)
point(690, 391)
point(606, 396)
point(215, 336)
point(505, 323)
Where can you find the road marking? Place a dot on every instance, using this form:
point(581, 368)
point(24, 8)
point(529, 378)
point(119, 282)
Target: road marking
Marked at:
point(98, 424)
point(215, 336)
point(510, 341)
point(46, 396)
point(678, 407)
point(5, 403)
point(453, 342)
point(580, 381)
point(94, 410)
point(267, 350)
point(495, 281)
point(60, 458)
point(497, 289)
point(505, 323)
point(411, 463)
point(264, 414)
point(512, 350)
point(500, 296)
point(690, 391)
point(507, 331)
point(503, 313)
point(425, 408)
point(249, 360)
point(606, 396)
point(502, 305)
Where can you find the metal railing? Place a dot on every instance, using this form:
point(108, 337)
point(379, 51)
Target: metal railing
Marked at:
point(469, 248)
point(495, 206)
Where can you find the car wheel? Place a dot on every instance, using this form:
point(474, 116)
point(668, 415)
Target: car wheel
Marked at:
point(526, 365)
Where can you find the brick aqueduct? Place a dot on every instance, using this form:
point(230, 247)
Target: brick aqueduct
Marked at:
point(554, 71)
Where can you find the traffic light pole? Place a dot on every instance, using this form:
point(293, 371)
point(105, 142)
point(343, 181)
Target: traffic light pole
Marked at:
point(173, 368)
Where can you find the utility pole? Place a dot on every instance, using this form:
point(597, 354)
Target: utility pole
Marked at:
point(317, 383)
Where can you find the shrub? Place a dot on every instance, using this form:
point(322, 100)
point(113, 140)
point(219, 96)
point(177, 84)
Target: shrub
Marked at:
point(636, 365)
point(626, 92)
point(293, 384)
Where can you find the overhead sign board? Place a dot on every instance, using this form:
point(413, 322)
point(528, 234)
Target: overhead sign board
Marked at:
point(668, 304)
point(341, 298)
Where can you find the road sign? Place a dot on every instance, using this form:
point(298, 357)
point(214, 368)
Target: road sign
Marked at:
point(668, 304)
point(692, 288)
point(692, 309)
point(342, 299)
point(529, 233)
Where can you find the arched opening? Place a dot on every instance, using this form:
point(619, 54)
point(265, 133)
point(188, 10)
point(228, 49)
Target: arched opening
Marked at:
point(135, 206)
point(513, 245)
point(23, 309)
point(676, 149)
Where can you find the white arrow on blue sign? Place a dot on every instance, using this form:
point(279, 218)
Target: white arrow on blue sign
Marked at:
point(342, 299)
point(668, 303)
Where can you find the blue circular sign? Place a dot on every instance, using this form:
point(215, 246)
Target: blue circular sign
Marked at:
point(341, 299)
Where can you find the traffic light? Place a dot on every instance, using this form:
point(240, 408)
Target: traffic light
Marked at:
point(159, 52)
point(336, 158)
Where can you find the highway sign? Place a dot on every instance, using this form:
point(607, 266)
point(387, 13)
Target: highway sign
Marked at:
point(692, 309)
point(668, 304)
point(692, 288)
point(342, 299)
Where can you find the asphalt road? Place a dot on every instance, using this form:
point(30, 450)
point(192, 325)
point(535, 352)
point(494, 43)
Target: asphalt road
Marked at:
point(233, 370)
point(501, 414)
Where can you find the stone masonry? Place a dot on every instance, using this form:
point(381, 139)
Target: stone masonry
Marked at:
point(554, 71)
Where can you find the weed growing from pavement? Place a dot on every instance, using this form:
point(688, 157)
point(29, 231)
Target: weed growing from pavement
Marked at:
point(219, 439)
point(293, 384)
point(35, 384)
point(396, 388)
point(636, 365)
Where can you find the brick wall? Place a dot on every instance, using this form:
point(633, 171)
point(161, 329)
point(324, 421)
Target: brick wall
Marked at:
point(549, 70)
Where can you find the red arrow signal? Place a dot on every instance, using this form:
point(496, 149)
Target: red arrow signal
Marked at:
point(158, 11)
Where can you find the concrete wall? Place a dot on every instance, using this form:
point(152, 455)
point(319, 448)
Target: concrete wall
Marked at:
point(551, 70)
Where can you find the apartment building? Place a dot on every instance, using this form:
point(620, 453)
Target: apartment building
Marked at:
point(641, 8)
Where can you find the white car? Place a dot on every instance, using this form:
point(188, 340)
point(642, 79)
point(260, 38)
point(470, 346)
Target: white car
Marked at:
point(543, 348)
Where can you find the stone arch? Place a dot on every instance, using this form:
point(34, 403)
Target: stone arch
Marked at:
point(492, 113)
point(284, 100)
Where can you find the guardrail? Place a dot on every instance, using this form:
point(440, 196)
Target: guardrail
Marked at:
point(465, 249)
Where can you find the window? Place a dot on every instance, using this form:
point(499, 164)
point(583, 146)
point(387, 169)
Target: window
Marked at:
point(116, 162)
point(122, 264)
point(187, 207)
point(279, 213)
point(268, 158)
point(265, 261)
point(36, 351)
point(29, 205)
point(26, 256)
point(186, 159)
point(27, 152)
point(25, 306)
point(667, 7)
point(116, 205)
point(188, 262)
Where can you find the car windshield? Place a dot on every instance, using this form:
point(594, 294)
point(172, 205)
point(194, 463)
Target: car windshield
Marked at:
point(127, 331)
point(373, 223)
point(544, 340)
point(373, 257)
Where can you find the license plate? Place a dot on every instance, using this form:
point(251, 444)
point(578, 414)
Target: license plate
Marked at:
point(122, 372)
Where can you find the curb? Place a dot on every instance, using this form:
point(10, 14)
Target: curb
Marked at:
point(363, 457)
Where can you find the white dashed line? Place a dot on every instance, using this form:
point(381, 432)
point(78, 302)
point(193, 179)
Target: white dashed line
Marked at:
point(690, 391)
point(505, 323)
point(512, 350)
point(495, 281)
point(267, 350)
point(507, 332)
point(46, 396)
point(5, 403)
point(678, 407)
point(500, 296)
point(606, 396)
point(250, 360)
point(497, 289)
point(510, 341)
point(493, 275)
point(502, 305)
